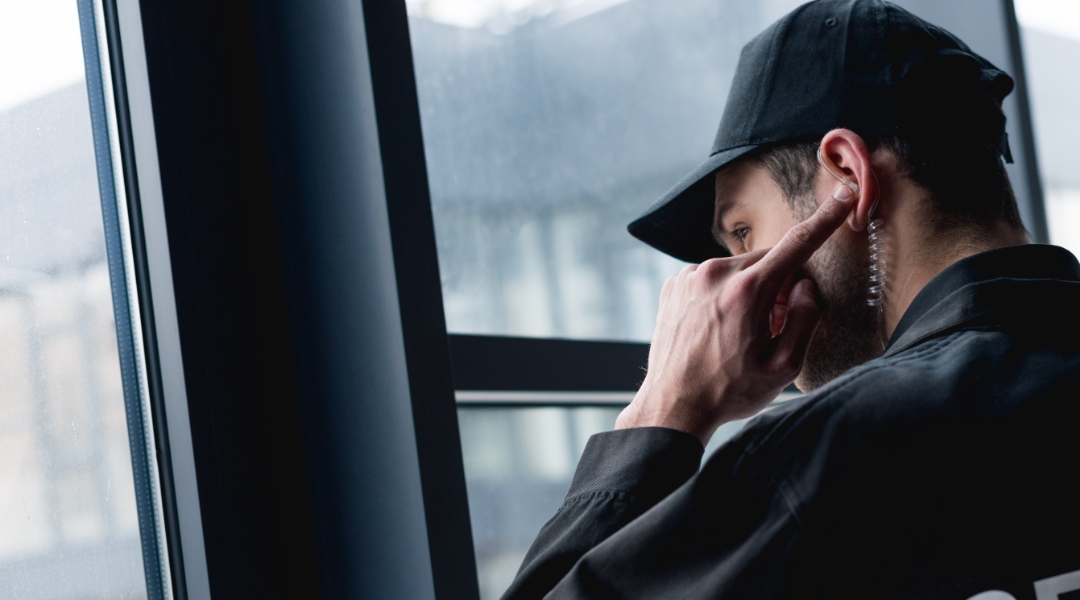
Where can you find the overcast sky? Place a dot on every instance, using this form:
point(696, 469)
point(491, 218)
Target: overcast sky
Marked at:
point(40, 49)
point(1055, 16)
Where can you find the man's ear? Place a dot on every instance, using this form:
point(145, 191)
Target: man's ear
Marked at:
point(846, 152)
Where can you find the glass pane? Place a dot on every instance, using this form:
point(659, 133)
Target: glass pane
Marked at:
point(1050, 30)
point(518, 466)
point(551, 124)
point(67, 502)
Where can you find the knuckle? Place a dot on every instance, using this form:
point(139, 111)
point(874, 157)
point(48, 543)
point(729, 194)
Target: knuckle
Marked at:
point(745, 260)
point(745, 286)
point(806, 305)
point(810, 309)
point(802, 234)
point(714, 267)
point(831, 213)
point(827, 209)
point(753, 279)
point(669, 284)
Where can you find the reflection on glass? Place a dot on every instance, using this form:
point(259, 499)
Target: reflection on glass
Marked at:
point(518, 466)
point(68, 522)
point(1051, 37)
point(548, 126)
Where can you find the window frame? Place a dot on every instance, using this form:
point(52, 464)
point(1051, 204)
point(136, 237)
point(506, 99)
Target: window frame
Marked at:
point(133, 314)
point(157, 306)
point(1040, 231)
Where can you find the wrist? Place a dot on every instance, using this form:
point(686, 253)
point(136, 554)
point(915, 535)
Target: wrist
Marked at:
point(652, 409)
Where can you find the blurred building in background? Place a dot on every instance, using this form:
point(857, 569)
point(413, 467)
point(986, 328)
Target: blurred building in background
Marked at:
point(67, 501)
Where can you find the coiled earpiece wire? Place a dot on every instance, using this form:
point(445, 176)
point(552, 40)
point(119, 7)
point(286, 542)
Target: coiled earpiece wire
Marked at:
point(875, 295)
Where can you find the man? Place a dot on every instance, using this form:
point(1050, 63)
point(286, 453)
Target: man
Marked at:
point(934, 452)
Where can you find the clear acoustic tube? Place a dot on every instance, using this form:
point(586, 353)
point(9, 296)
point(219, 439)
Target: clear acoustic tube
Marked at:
point(876, 228)
point(876, 292)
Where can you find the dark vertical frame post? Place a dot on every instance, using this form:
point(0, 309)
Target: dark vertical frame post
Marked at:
point(368, 334)
point(408, 197)
point(308, 302)
point(1040, 233)
point(231, 311)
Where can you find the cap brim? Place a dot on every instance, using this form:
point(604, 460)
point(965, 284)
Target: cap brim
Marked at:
point(680, 224)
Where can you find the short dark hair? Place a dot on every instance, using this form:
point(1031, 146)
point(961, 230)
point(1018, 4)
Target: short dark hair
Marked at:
point(967, 183)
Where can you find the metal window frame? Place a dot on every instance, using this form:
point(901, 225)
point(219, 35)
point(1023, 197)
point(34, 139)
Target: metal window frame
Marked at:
point(1040, 232)
point(133, 314)
point(483, 362)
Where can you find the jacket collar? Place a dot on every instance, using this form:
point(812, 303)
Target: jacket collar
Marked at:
point(980, 286)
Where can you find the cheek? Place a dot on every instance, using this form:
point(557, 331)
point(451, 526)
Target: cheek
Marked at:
point(772, 231)
point(841, 273)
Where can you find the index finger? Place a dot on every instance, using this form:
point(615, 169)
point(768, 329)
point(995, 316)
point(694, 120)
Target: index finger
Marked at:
point(802, 240)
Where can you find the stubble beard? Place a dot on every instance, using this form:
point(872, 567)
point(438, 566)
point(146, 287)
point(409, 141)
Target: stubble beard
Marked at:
point(850, 332)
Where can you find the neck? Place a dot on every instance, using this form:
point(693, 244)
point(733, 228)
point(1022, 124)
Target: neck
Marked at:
point(914, 260)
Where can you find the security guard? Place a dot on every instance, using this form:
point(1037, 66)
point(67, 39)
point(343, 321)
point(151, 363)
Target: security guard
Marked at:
point(854, 231)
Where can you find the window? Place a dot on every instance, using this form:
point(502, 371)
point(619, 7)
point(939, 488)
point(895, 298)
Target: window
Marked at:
point(299, 352)
point(1051, 38)
point(519, 463)
point(548, 126)
point(79, 508)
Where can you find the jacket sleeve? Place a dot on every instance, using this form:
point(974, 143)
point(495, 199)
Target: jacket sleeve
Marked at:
point(621, 475)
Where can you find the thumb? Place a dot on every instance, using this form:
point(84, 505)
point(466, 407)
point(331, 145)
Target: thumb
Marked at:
point(803, 315)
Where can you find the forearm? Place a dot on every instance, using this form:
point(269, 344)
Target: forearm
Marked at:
point(621, 475)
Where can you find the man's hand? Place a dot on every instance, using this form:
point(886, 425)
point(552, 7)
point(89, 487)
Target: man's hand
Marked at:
point(733, 332)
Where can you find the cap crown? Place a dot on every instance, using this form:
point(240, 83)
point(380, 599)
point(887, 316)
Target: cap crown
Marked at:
point(865, 65)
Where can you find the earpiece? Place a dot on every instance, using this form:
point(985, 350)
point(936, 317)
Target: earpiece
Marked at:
point(876, 229)
point(876, 293)
point(831, 168)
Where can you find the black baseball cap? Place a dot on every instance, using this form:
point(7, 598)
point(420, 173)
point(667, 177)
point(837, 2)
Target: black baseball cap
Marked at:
point(865, 65)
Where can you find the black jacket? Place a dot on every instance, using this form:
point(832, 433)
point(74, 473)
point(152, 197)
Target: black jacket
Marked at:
point(942, 470)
